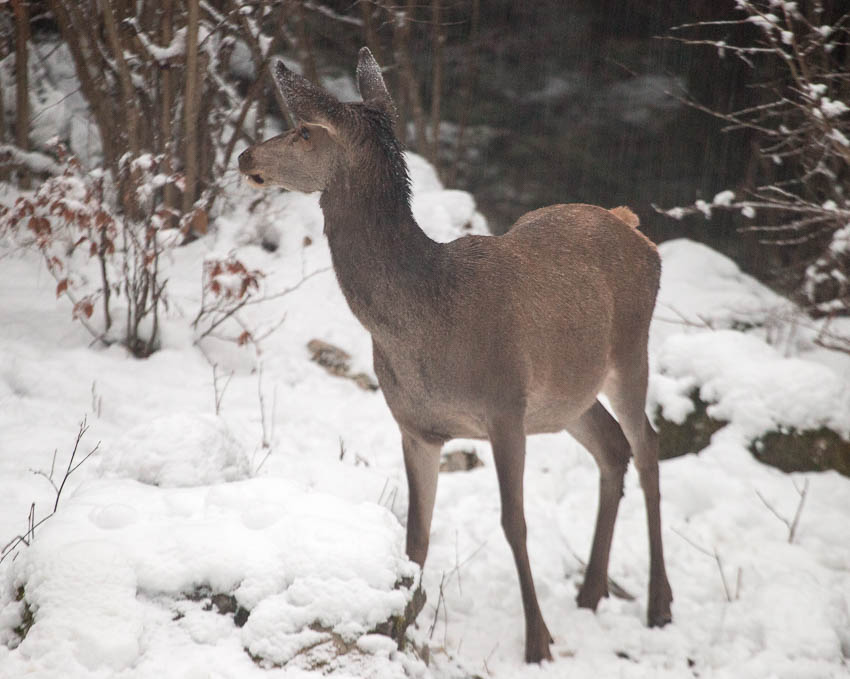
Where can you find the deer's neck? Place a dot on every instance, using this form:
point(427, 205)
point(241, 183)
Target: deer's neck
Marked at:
point(389, 270)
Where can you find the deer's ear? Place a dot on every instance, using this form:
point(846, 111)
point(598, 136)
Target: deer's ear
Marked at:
point(306, 101)
point(371, 84)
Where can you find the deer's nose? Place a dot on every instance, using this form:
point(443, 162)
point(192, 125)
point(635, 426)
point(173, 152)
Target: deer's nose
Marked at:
point(246, 161)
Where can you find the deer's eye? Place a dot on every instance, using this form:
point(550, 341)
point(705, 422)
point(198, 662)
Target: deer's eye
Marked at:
point(305, 133)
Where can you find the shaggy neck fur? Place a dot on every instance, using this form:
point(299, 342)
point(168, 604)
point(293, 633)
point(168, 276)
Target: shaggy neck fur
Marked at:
point(389, 270)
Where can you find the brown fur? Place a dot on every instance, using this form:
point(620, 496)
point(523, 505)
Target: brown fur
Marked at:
point(488, 337)
point(626, 215)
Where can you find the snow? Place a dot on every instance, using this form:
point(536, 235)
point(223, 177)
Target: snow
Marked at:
point(181, 449)
point(724, 198)
point(841, 240)
point(838, 135)
point(175, 48)
point(118, 541)
point(702, 288)
point(766, 22)
point(703, 207)
point(751, 385)
point(38, 162)
point(57, 104)
point(833, 108)
point(306, 532)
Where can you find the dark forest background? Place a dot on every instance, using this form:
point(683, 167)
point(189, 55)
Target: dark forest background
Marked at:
point(521, 103)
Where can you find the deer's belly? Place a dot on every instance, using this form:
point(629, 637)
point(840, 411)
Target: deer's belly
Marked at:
point(453, 405)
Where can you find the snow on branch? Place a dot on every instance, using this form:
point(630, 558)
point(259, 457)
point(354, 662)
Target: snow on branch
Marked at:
point(800, 122)
point(38, 163)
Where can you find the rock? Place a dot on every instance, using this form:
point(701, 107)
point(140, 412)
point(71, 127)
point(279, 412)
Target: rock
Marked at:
point(338, 362)
point(396, 626)
point(788, 448)
point(226, 604)
point(803, 451)
point(691, 436)
point(460, 461)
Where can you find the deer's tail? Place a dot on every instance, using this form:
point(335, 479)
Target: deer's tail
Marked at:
point(626, 215)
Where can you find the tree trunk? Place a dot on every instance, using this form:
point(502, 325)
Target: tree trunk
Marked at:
point(305, 50)
point(85, 62)
point(372, 42)
point(22, 99)
point(190, 106)
point(4, 172)
point(167, 145)
point(408, 81)
point(469, 84)
point(436, 83)
point(129, 112)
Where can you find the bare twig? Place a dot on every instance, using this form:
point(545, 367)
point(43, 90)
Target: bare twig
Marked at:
point(440, 601)
point(723, 575)
point(715, 555)
point(792, 531)
point(49, 477)
point(614, 587)
point(791, 524)
point(96, 402)
point(219, 393)
point(71, 466)
point(28, 536)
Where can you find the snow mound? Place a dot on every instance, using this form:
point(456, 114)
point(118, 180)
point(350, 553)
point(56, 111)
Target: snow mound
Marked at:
point(700, 286)
point(184, 449)
point(121, 555)
point(721, 333)
point(749, 384)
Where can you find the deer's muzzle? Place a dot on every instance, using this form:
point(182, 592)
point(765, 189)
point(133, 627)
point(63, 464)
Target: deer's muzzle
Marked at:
point(246, 167)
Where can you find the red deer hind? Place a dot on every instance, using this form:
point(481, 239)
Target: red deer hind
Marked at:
point(484, 337)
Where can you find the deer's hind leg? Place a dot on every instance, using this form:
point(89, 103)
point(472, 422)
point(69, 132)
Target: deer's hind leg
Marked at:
point(599, 432)
point(626, 389)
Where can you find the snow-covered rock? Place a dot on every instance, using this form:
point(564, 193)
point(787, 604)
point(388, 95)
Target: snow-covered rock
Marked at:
point(750, 384)
point(305, 566)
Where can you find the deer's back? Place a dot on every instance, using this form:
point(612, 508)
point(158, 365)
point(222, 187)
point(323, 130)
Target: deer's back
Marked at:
point(565, 273)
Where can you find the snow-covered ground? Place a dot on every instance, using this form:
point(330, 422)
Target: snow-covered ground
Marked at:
point(178, 504)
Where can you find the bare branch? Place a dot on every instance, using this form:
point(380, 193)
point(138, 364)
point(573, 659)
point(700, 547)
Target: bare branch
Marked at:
point(27, 538)
point(714, 555)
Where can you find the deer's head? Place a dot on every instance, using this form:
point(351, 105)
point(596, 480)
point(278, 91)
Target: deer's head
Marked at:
point(328, 133)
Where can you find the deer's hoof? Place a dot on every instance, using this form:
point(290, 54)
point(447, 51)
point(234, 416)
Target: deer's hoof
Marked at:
point(659, 619)
point(537, 644)
point(538, 653)
point(658, 613)
point(590, 594)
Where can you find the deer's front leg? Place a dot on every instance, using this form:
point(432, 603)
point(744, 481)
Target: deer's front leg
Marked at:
point(508, 439)
point(422, 464)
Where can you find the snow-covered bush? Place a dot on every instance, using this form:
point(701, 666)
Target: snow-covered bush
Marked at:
point(227, 286)
point(801, 123)
point(105, 263)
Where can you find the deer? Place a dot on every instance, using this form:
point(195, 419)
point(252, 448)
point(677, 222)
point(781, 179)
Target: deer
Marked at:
point(484, 337)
